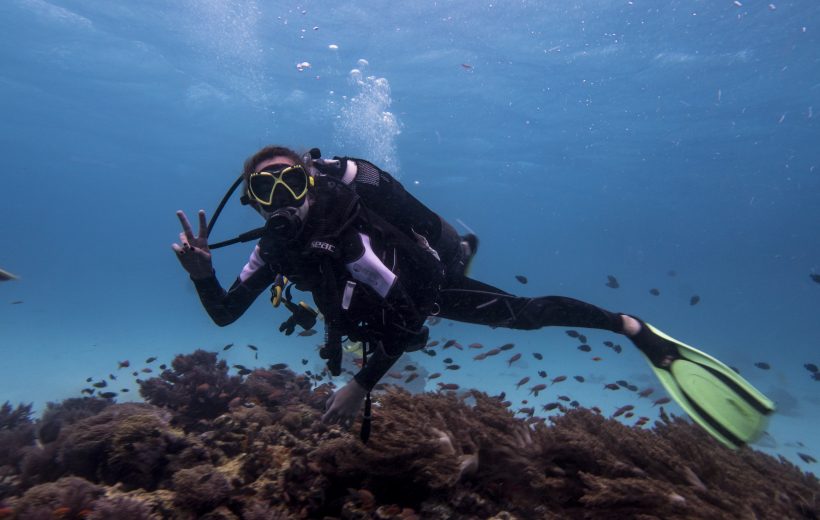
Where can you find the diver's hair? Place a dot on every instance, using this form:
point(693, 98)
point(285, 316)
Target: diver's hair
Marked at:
point(269, 152)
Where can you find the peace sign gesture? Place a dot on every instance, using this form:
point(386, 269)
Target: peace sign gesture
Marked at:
point(193, 252)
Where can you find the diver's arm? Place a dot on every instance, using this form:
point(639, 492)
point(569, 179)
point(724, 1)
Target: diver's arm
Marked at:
point(378, 364)
point(224, 307)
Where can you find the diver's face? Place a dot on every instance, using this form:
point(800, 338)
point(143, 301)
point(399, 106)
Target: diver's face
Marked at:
point(261, 166)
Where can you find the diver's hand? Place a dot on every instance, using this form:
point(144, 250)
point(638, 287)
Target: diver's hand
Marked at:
point(193, 252)
point(344, 404)
point(332, 168)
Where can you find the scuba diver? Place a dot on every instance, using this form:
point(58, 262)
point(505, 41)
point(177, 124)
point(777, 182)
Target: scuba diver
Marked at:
point(378, 262)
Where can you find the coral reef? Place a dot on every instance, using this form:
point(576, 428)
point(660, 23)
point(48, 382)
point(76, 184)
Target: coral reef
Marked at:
point(209, 445)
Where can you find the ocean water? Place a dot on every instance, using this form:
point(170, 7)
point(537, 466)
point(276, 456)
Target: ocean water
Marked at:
point(672, 145)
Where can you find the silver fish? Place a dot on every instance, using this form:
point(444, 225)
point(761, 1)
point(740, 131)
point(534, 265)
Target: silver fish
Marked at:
point(6, 276)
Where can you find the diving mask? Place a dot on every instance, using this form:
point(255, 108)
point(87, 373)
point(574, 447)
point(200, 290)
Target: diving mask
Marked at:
point(279, 185)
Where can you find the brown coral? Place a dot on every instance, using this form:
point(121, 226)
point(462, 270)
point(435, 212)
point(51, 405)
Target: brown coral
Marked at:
point(433, 456)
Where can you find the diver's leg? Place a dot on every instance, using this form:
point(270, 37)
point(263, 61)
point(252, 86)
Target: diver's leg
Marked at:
point(471, 301)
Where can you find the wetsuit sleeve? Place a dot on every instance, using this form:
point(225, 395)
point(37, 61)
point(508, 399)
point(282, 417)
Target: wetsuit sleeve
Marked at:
point(402, 326)
point(224, 307)
point(378, 364)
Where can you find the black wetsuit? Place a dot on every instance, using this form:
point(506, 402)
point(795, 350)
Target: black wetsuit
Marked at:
point(398, 280)
point(462, 298)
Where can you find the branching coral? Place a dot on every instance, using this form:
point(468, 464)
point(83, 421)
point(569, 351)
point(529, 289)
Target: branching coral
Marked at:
point(256, 448)
point(197, 387)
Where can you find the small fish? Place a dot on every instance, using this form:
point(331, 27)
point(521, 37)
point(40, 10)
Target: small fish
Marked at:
point(558, 379)
point(447, 360)
point(163, 366)
point(410, 367)
point(596, 410)
point(815, 277)
point(611, 386)
point(146, 370)
point(612, 282)
point(632, 388)
point(550, 406)
point(811, 367)
point(493, 352)
point(608, 344)
point(100, 384)
point(646, 392)
point(238, 366)
point(433, 343)
point(584, 348)
point(304, 361)
point(523, 381)
point(135, 373)
point(253, 347)
point(434, 375)
point(17, 302)
point(671, 273)
point(808, 459)
point(597, 358)
point(431, 353)
point(108, 395)
point(308, 332)
point(125, 390)
point(542, 373)
point(662, 400)
point(537, 388)
point(151, 359)
point(521, 278)
point(227, 347)
point(622, 383)
point(617, 348)
point(694, 300)
point(537, 356)
point(88, 391)
point(513, 359)
point(466, 66)
point(448, 386)
point(572, 333)
point(623, 409)
point(6, 276)
point(762, 365)
point(411, 377)
point(89, 379)
point(580, 379)
point(582, 338)
point(243, 371)
point(506, 346)
point(475, 345)
point(123, 364)
point(395, 375)
point(574, 403)
point(480, 357)
point(452, 367)
point(112, 377)
point(629, 415)
point(529, 411)
point(654, 292)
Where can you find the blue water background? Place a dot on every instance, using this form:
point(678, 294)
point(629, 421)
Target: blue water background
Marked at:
point(578, 139)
